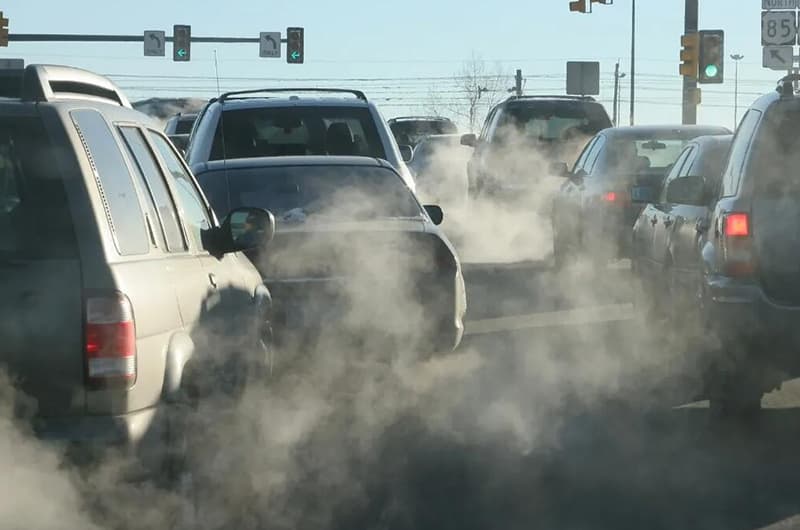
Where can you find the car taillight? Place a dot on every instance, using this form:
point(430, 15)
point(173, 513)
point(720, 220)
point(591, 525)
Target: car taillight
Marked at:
point(619, 198)
point(737, 245)
point(610, 196)
point(110, 341)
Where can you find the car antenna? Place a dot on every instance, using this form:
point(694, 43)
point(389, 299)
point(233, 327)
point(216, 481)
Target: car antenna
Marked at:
point(222, 133)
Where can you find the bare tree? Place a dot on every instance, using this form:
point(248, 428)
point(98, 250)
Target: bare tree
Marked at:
point(475, 89)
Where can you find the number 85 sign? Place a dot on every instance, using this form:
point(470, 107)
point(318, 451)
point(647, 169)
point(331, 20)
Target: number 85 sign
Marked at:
point(778, 28)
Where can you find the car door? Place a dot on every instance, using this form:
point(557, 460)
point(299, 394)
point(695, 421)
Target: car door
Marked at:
point(227, 309)
point(666, 216)
point(566, 207)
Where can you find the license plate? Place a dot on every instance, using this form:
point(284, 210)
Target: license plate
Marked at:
point(640, 194)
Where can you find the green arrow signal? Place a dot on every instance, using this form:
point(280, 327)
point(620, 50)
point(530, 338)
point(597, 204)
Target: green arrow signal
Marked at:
point(295, 55)
point(182, 52)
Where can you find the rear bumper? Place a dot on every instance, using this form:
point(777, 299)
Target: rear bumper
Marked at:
point(752, 327)
point(121, 430)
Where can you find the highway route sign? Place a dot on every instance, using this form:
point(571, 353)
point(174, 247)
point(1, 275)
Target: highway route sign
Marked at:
point(269, 44)
point(778, 4)
point(778, 57)
point(778, 28)
point(155, 43)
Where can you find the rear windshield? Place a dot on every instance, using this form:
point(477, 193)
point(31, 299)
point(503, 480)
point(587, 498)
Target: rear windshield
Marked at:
point(411, 132)
point(184, 125)
point(641, 156)
point(776, 155)
point(35, 220)
point(297, 192)
point(288, 131)
point(552, 120)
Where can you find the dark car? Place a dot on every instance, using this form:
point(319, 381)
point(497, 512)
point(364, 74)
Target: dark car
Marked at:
point(593, 212)
point(749, 287)
point(522, 136)
point(439, 166)
point(353, 249)
point(178, 129)
point(118, 282)
point(665, 238)
point(410, 130)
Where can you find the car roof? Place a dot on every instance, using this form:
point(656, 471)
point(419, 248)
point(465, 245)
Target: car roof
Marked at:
point(420, 118)
point(293, 161)
point(234, 103)
point(710, 141)
point(648, 131)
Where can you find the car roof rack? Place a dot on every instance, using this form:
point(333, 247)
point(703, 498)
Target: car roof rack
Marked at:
point(551, 96)
point(44, 82)
point(228, 95)
point(786, 85)
point(437, 118)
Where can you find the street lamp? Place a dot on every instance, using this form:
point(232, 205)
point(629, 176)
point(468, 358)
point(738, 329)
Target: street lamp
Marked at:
point(736, 57)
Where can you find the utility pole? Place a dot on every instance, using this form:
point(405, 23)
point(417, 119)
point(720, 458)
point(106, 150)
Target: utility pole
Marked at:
point(518, 84)
point(736, 57)
point(691, 24)
point(633, 60)
point(617, 77)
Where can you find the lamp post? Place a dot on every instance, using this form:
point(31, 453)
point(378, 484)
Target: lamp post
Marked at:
point(736, 57)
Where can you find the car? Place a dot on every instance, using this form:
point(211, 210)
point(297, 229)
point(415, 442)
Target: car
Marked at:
point(665, 255)
point(749, 287)
point(593, 213)
point(410, 130)
point(439, 166)
point(280, 122)
point(178, 129)
point(354, 251)
point(523, 135)
point(120, 287)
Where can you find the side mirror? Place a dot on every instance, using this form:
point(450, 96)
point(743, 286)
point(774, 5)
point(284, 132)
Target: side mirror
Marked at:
point(407, 152)
point(687, 190)
point(435, 213)
point(560, 169)
point(247, 229)
point(469, 139)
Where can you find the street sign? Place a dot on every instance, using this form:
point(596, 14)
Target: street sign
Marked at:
point(778, 28)
point(583, 78)
point(155, 43)
point(778, 57)
point(269, 44)
point(778, 4)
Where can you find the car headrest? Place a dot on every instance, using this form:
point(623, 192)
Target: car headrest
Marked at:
point(339, 139)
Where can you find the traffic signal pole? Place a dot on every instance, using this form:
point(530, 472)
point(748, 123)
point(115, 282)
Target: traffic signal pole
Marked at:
point(691, 25)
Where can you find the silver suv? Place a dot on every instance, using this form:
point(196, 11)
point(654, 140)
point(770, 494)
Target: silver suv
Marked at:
point(245, 124)
point(117, 280)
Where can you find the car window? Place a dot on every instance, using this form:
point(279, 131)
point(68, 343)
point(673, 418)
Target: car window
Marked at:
point(411, 132)
point(125, 216)
point(485, 130)
point(294, 193)
point(776, 153)
point(581, 162)
point(594, 156)
point(156, 187)
point(548, 121)
point(35, 219)
point(260, 132)
point(195, 214)
point(739, 148)
point(679, 169)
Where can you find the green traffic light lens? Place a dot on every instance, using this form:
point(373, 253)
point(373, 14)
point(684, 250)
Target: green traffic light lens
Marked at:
point(711, 70)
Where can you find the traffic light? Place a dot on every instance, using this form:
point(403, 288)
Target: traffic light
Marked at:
point(294, 46)
point(690, 53)
point(181, 42)
point(3, 30)
point(581, 6)
point(711, 65)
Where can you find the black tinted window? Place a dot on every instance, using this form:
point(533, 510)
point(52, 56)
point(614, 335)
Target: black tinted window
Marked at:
point(297, 192)
point(194, 209)
point(115, 182)
point(550, 120)
point(411, 132)
point(776, 153)
point(35, 220)
point(156, 187)
point(739, 150)
point(303, 131)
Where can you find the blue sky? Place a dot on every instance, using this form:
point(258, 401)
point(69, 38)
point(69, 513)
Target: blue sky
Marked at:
point(425, 40)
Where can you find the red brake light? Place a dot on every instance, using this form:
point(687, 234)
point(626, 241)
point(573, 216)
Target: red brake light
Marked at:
point(110, 341)
point(610, 196)
point(737, 225)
